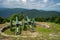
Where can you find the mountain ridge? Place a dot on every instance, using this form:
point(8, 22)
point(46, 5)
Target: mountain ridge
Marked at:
point(28, 12)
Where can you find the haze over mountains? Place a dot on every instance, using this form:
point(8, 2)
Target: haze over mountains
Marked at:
point(6, 12)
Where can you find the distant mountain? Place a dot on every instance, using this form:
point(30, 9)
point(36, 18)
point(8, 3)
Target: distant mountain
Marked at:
point(6, 12)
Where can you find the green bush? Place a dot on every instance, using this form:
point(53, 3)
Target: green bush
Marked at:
point(2, 20)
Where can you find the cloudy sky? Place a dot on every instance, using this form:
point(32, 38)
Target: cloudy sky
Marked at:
point(31, 4)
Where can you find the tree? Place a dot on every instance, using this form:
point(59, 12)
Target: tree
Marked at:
point(13, 17)
point(2, 20)
point(21, 16)
point(57, 20)
point(40, 19)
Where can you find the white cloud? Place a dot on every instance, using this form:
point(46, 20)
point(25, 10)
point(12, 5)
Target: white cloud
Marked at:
point(13, 0)
point(31, 4)
point(58, 4)
point(55, 5)
point(32, 0)
point(45, 1)
point(24, 1)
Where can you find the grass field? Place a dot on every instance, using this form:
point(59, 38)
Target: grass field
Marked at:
point(52, 33)
point(54, 28)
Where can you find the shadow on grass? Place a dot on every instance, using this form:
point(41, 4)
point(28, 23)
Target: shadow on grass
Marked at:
point(13, 30)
